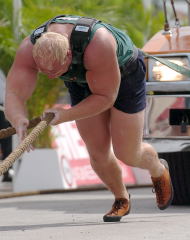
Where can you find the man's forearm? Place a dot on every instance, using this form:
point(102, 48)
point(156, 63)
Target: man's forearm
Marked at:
point(89, 107)
point(15, 108)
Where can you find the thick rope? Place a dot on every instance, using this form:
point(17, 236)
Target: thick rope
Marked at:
point(25, 144)
point(11, 131)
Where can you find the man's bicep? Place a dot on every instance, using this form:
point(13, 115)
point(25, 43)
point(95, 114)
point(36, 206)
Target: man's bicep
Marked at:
point(103, 74)
point(104, 82)
point(22, 76)
point(21, 81)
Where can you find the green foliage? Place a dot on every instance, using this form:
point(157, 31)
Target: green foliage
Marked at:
point(140, 23)
point(7, 43)
point(129, 15)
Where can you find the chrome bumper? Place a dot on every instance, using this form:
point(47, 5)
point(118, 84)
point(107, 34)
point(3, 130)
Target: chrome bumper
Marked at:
point(167, 122)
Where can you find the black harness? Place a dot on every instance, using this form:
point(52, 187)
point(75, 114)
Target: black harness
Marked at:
point(79, 40)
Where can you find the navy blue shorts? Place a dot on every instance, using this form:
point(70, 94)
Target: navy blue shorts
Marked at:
point(132, 93)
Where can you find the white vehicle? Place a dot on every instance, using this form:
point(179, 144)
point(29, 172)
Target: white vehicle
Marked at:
point(167, 123)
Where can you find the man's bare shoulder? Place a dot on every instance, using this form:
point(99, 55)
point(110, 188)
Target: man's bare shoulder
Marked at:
point(101, 50)
point(24, 53)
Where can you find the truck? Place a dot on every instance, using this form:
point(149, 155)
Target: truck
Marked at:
point(167, 118)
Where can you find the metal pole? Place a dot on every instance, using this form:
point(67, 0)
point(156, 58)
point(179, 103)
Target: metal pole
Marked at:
point(166, 24)
point(17, 22)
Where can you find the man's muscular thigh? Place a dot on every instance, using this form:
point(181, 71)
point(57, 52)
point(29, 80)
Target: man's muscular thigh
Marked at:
point(95, 132)
point(127, 133)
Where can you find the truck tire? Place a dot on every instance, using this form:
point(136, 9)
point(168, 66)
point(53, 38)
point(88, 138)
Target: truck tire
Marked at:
point(179, 166)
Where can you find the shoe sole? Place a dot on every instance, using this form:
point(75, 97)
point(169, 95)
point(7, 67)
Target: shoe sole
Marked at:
point(112, 218)
point(117, 218)
point(164, 162)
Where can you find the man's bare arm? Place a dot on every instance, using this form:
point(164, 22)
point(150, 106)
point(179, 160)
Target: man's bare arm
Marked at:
point(21, 81)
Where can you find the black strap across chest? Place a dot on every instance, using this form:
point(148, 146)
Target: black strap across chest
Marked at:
point(80, 37)
point(42, 29)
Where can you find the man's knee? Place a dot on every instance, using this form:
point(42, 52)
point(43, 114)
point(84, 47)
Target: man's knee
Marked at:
point(148, 152)
point(145, 154)
point(130, 158)
point(99, 156)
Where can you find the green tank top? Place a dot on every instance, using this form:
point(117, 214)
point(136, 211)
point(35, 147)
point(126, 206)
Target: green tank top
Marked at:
point(125, 47)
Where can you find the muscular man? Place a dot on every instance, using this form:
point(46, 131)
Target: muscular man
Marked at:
point(104, 73)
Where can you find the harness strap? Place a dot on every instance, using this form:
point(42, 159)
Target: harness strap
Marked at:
point(180, 69)
point(79, 40)
point(42, 28)
point(80, 37)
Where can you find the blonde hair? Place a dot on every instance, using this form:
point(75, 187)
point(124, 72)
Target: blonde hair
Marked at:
point(52, 46)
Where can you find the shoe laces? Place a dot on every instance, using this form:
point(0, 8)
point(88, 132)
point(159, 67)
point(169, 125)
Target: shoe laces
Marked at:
point(118, 204)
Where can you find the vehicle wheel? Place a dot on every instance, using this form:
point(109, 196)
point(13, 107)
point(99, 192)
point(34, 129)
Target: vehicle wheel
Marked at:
point(179, 164)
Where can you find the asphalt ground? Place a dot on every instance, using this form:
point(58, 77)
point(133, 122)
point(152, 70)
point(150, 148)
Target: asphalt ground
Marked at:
point(78, 216)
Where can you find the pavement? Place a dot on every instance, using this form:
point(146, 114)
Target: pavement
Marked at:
point(78, 216)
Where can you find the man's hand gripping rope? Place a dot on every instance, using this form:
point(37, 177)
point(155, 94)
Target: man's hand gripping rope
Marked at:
point(38, 129)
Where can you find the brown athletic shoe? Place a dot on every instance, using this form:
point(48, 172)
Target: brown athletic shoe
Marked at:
point(120, 208)
point(163, 188)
